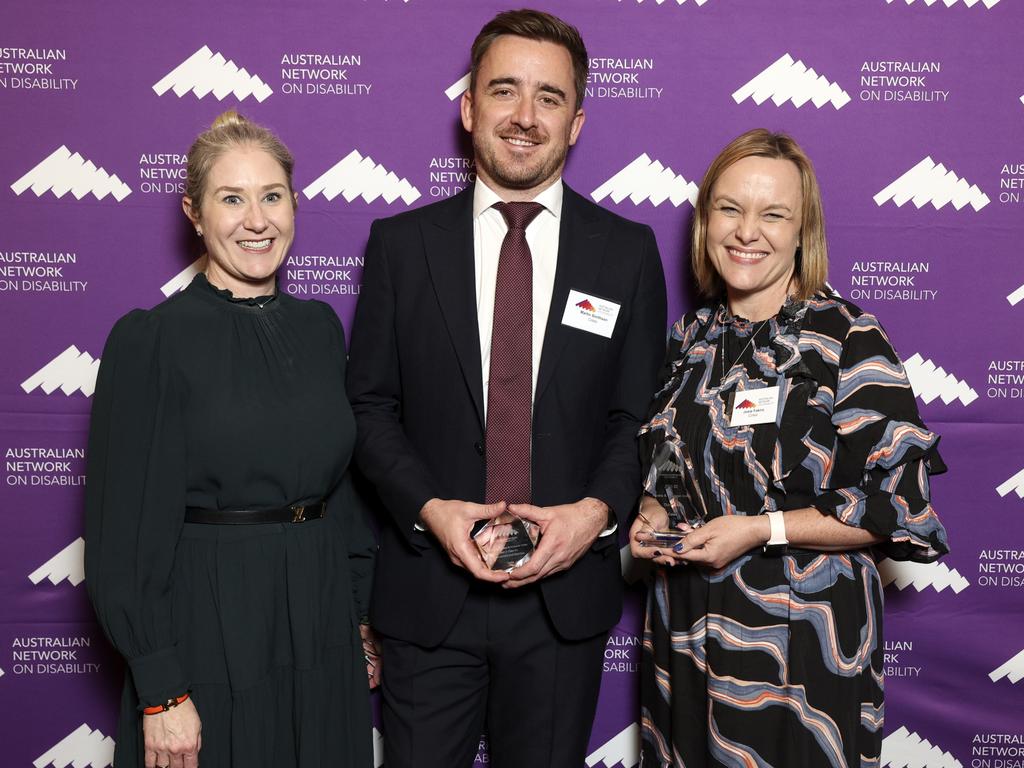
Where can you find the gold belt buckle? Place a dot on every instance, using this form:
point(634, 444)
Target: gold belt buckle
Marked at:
point(298, 514)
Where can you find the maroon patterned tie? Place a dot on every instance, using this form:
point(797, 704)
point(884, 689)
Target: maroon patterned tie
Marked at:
point(510, 386)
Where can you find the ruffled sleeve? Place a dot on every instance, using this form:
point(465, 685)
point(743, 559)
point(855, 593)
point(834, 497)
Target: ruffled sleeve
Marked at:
point(135, 503)
point(883, 454)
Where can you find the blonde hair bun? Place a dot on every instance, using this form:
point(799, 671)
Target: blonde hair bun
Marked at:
point(229, 131)
point(227, 118)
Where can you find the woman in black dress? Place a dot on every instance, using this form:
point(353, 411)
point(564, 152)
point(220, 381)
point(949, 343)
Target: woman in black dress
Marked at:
point(226, 554)
point(802, 431)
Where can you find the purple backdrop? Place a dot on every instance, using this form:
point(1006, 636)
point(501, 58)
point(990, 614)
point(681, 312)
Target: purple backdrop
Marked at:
point(911, 109)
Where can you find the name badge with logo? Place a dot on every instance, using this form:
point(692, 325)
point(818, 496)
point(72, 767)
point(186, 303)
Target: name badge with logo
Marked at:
point(753, 406)
point(590, 313)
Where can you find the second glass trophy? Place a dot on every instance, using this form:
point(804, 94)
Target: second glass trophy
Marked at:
point(677, 490)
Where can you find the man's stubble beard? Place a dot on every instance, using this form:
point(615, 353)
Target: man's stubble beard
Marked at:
point(511, 175)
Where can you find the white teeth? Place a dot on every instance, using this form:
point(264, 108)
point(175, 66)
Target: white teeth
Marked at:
point(749, 255)
point(254, 245)
point(520, 142)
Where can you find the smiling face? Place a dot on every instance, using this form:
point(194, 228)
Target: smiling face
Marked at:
point(522, 115)
point(247, 219)
point(753, 232)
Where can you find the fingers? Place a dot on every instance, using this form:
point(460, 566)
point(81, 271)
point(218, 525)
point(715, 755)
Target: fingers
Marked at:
point(487, 511)
point(530, 512)
point(639, 546)
point(697, 538)
point(191, 761)
point(545, 560)
point(467, 556)
point(371, 652)
point(150, 760)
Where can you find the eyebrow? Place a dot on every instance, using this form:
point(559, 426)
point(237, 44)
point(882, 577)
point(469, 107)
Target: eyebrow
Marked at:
point(264, 188)
point(770, 206)
point(544, 87)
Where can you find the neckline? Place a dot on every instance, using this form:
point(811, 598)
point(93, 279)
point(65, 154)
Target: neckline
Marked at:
point(201, 286)
point(789, 309)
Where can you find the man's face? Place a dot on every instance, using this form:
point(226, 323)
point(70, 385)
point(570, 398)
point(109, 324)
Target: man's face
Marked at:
point(522, 115)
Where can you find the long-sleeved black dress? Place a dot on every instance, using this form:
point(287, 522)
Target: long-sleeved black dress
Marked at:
point(222, 403)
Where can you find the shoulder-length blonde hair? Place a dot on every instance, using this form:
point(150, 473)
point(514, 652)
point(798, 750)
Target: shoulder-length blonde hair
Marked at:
point(812, 253)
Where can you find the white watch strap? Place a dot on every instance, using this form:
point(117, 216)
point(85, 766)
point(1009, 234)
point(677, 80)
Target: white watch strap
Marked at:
point(778, 529)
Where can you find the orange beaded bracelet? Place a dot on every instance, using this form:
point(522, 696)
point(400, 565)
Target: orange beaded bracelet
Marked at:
point(169, 704)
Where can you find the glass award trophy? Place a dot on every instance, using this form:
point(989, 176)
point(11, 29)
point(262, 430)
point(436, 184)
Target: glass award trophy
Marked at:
point(506, 542)
point(676, 489)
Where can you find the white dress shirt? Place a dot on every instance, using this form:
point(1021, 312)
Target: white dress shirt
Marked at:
point(489, 229)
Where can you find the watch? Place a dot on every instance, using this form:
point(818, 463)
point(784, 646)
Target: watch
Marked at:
point(777, 542)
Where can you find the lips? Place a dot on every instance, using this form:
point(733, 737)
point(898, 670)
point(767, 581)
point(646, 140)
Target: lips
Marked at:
point(256, 246)
point(746, 257)
point(518, 140)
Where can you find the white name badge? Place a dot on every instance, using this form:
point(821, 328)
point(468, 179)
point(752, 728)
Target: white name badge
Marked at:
point(754, 406)
point(591, 314)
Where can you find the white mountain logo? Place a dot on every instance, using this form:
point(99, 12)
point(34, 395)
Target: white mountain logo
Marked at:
point(622, 749)
point(905, 749)
point(949, 3)
point(1015, 297)
point(457, 88)
point(378, 749)
point(71, 370)
point(357, 176)
point(207, 72)
point(1015, 484)
point(790, 80)
point(647, 179)
point(678, 2)
point(68, 564)
point(920, 575)
point(1013, 669)
point(181, 280)
point(930, 382)
point(931, 182)
point(63, 171)
point(82, 748)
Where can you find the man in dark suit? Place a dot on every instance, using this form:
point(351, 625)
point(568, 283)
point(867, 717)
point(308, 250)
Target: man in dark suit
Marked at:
point(505, 347)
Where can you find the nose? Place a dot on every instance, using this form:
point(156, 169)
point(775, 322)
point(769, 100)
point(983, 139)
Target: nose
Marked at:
point(748, 228)
point(255, 219)
point(525, 115)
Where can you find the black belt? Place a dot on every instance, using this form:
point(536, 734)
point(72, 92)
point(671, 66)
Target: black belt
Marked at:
point(296, 513)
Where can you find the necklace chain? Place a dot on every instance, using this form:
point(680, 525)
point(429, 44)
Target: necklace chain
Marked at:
point(721, 357)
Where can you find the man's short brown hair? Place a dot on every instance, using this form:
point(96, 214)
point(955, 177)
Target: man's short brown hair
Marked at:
point(534, 25)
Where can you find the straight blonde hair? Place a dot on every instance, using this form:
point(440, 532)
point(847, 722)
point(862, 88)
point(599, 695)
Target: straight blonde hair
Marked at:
point(812, 253)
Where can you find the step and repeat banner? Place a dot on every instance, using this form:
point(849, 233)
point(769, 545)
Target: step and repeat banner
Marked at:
point(912, 110)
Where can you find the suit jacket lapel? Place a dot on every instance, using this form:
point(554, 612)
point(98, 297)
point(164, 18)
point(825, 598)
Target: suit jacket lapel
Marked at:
point(581, 245)
point(448, 242)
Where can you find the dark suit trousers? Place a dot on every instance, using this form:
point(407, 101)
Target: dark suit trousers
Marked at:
point(502, 669)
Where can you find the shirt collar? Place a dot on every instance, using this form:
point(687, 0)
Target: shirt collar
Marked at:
point(551, 198)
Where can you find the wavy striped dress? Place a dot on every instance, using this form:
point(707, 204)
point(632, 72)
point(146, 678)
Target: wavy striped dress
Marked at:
point(777, 661)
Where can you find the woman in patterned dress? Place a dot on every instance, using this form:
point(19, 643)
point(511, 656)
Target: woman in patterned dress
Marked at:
point(803, 431)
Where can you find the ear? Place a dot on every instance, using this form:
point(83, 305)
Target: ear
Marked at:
point(466, 110)
point(295, 200)
point(577, 126)
point(186, 206)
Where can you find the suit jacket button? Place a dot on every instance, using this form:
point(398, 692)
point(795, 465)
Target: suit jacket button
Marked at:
point(479, 448)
